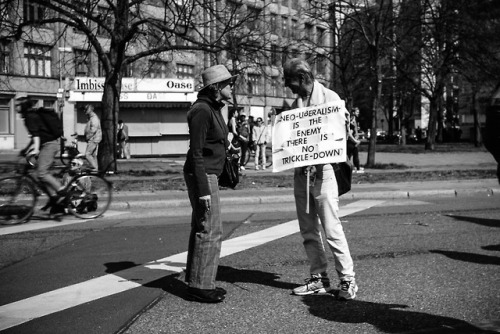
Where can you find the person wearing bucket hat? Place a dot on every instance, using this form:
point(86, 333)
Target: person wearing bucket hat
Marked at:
point(208, 140)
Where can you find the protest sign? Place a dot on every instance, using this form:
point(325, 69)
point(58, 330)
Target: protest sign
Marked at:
point(309, 136)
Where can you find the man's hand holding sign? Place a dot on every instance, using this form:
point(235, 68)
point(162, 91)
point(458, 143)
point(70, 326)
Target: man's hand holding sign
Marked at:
point(309, 136)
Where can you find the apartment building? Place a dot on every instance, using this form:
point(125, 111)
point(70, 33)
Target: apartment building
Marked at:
point(66, 74)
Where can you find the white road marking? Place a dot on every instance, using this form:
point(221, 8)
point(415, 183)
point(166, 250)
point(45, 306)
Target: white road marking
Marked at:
point(33, 226)
point(22, 311)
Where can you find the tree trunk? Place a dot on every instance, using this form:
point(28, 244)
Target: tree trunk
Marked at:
point(109, 117)
point(478, 140)
point(372, 145)
point(431, 133)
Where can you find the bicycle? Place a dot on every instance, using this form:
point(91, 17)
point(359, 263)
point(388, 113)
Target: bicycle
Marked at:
point(87, 195)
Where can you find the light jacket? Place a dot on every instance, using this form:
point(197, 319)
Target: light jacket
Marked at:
point(93, 131)
point(260, 134)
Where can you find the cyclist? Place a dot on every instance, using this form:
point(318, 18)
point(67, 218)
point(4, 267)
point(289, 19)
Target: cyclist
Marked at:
point(45, 129)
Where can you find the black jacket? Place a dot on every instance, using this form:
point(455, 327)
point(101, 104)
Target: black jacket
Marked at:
point(207, 141)
point(43, 123)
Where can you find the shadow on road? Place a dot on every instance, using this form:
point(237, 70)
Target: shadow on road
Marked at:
point(234, 275)
point(469, 257)
point(389, 318)
point(479, 221)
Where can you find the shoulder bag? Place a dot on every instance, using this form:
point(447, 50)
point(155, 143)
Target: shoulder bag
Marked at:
point(343, 174)
point(230, 176)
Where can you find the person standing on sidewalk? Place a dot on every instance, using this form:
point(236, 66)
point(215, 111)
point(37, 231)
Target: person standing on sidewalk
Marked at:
point(122, 137)
point(260, 136)
point(244, 138)
point(93, 136)
point(324, 203)
point(208, 141)
point(353, 141)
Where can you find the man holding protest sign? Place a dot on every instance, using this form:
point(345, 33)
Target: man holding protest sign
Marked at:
point(310, 138)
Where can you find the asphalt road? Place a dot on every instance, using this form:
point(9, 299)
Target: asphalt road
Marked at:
point(423, 265)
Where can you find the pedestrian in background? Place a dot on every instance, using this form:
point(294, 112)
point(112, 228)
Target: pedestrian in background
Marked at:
point(123, 140)
point(353, 141)
point(323, 192)
point(260, 135)
point(244, 137)
point(208, 142)
point(93, 136)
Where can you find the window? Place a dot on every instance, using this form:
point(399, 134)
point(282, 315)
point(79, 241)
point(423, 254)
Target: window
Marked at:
point(4, 117)
point(50, 104)
point(321, 36)
point(309, 32)
point(253, 18)
point(4, 57)
point(284, 55)
point(234, 11)
point(106, 21)
point(253, 84)
point(37, 60)
point(158, 69)
point(295, 28)
point(82, 63)
point(185, 71)
point(100, 67)
point(33, 11)
point(127, 71)
point(274, 23)
point(275, 55)
point(156, 36)
point(322, 65)
point(183, 34)
point(284, 27)
point(274, 87)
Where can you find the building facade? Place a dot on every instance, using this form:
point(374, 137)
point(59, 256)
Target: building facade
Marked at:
point(51, 69)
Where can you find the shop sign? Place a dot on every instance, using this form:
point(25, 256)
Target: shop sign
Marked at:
point(173, 85)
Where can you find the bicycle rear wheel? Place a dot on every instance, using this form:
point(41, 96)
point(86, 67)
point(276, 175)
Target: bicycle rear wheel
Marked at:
point(89, 196)
point(18, 198)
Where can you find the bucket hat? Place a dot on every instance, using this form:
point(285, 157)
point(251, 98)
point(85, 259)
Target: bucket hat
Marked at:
point(215, 74)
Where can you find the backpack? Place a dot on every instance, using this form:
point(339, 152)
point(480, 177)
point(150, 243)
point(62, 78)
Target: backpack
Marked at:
point(242, 128)
point(51, 120)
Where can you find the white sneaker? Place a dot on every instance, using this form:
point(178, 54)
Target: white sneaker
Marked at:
point(348, 290)
point(315, 284)
point(242, 168)
point(256, 167)
point(263, 167)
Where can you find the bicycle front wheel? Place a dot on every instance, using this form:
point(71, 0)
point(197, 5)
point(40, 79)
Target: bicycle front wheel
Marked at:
point(89, 196)
point(17, 200)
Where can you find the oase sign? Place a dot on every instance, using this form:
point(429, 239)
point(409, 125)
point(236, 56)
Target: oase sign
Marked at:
point(86, 84)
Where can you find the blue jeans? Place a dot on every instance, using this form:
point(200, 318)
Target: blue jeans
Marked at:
point(323, 211)
point(205, 239)
point(48, 152)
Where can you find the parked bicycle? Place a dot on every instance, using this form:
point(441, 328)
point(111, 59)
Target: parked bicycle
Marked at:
point(87, 194)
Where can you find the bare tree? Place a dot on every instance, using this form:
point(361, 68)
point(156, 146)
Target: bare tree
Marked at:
point(364, 30)
point(113, 28)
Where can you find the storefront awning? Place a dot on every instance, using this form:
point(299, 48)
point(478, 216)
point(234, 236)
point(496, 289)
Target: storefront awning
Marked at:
point(144, 97)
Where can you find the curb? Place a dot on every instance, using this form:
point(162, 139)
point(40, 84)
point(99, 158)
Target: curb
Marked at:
point(389, 195)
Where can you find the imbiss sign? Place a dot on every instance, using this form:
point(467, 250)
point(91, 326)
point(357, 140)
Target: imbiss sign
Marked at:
point(87, 84)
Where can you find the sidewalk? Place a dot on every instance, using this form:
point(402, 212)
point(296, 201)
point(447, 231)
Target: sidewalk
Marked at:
point(172, 167)
point(415, 162)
